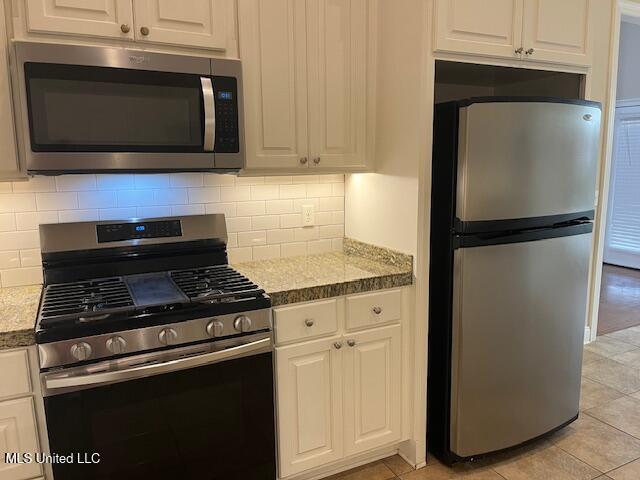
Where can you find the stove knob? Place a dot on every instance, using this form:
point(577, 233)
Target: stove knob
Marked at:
point(242, 323)
point(215, 328)
point(81, 351)
point(167, 336)
point(116, 344)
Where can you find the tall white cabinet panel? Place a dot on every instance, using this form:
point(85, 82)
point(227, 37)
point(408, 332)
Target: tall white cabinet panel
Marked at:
point(192, 23)
point(18, 433)
point(337, 47)
point(487, 27)
point(101, 18)
point(372, 389)
point(309, 377)
point(557, 31)
point(273, 53)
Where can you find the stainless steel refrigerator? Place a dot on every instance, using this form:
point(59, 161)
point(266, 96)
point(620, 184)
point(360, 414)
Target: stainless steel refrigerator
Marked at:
point(513, 193)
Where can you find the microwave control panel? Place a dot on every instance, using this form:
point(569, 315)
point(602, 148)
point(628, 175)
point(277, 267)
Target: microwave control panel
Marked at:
point(225, 92)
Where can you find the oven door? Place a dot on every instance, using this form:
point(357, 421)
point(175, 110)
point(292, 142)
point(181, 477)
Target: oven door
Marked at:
point(199, 412)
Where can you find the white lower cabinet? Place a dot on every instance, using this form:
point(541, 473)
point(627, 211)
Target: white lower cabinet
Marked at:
point(340, 395)
point(18, 434)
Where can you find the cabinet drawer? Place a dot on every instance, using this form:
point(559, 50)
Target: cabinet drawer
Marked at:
point(303, 322)
point(372, 309)
point(15, 377)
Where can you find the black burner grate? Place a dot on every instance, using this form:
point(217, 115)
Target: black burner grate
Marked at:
point(215, 284)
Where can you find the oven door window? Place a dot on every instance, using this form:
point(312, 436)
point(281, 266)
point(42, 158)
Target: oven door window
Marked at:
point(95, 109)
point(213, 422)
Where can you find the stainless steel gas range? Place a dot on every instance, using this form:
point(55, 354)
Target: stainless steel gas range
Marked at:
point(154, 353)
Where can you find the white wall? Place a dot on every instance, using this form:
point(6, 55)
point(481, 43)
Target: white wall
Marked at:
point(263, 214)
point(629, 62)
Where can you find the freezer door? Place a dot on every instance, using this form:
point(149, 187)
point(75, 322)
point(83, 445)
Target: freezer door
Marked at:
point(526, 159)
point(517, 337)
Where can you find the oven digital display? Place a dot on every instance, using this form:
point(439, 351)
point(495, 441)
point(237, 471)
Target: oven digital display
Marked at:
point(117, 232)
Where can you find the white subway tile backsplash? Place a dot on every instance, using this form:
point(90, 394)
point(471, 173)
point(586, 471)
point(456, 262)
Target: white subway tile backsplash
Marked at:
point(246, 209)
point(337, 244)
point(17, 240)
point(17, 202)
point(266, 252)
point(31, 220)
point(7, 222)
point(97, 199)
point(293, 191)
point(250, 239)
point(265, 222)
point(20, 276)
point(30, 257)
point(35, 184)
point(75, 183)
point(263, 213)
point(57, 201)
point(9, 259)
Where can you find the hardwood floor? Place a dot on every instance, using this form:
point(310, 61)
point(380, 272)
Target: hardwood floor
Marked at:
point(619, 299)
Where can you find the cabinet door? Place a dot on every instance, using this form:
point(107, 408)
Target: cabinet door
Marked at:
point(557, 31)
point(274, 62)
point(98, 18)
point(372, 389)
point(9, 167)
point(18, 433)
point(309, 402)
point(188, 23)
point(489, 27)
point(339, 53)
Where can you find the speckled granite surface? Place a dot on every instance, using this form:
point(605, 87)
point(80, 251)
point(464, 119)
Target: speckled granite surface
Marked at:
point(18, 309)
point(359, 268)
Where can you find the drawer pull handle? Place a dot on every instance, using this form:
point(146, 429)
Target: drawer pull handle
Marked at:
point(338, 345)
point(309, 322)
point(377, 310)
point(351, 343)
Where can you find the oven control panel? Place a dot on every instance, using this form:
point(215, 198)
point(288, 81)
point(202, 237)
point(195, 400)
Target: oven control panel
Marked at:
point(117, 232)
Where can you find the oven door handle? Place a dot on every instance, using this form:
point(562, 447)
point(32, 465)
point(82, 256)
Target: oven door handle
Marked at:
point(209, 104)
point(57, 381)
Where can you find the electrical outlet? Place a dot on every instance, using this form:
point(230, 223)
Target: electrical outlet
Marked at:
point(308, 216)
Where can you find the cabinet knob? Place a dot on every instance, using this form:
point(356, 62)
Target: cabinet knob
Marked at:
point(530, 51)
point(337, 345)
point(144, 31)
point(124, 28)
point(519, 50)
point(377, 310)
point(303, 160)
point(309, 322)
point(316, 160)
point(351, 343)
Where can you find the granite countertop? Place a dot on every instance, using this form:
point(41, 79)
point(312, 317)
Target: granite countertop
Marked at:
point(358, 268)
point(18, 309)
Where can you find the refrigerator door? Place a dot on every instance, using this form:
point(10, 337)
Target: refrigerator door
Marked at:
point(517, 337)
point(520, 159)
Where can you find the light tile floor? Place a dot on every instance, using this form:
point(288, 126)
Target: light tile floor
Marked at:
point(604, 442)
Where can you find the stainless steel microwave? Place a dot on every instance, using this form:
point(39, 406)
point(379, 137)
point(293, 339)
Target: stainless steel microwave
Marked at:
point(108, 109)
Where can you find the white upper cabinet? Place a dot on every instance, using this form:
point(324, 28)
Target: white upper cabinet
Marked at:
point(97, 18)
point(309, 78)
point(487, 27)
point(273, 52)
point(372, 389)
point(198, 24)
point(309, 380)
point(557, 31)
point(194, 23)
point(9, 166)
point(337, 47)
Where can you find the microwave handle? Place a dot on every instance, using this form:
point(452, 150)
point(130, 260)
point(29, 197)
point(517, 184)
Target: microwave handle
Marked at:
point(209, 105)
